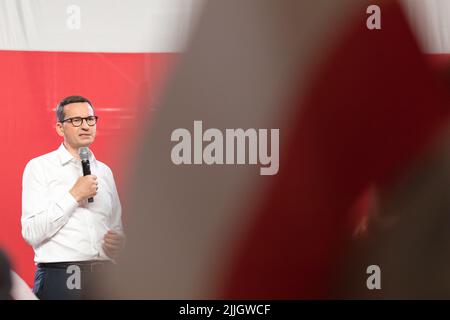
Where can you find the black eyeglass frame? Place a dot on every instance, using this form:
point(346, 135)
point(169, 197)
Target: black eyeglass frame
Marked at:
point(82, 119)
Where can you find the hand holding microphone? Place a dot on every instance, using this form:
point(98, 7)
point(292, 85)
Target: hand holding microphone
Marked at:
point(86, 187)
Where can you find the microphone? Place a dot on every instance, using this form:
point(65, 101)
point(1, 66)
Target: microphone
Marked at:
point(84, 156)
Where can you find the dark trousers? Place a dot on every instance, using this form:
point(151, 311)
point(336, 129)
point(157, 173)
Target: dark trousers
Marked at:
point(60, 282)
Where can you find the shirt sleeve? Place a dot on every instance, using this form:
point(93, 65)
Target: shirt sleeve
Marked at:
point(42, 218)
point(116, 215)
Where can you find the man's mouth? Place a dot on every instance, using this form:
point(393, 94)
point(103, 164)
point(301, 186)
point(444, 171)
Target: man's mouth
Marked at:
point(84, 135)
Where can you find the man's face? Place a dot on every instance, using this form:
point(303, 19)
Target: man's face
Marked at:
point(77, 137)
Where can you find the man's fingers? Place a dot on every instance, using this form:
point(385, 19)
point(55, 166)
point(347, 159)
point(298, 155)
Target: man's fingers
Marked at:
point(110, 250)
point(113, 236)
point(115, 242)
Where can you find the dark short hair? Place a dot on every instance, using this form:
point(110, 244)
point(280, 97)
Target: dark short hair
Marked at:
point(65, 102)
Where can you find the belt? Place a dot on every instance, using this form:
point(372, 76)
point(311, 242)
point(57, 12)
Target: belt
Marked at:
point(91, 266)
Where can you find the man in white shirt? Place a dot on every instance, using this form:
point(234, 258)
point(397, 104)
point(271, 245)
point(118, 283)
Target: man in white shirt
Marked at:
point(71, 237)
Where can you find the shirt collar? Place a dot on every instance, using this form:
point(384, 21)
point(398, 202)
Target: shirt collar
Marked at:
point(65, 156)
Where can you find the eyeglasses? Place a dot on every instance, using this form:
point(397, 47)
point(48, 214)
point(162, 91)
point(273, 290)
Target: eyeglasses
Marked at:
point(78, 121)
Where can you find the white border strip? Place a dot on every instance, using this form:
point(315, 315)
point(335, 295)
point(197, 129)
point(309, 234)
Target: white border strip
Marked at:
point(97, 25)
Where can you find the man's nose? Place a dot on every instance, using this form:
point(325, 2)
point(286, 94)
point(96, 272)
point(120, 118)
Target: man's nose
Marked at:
point(84, 125)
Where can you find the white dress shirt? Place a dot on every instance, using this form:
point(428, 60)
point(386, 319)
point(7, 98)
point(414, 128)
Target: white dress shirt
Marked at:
point(53, 222)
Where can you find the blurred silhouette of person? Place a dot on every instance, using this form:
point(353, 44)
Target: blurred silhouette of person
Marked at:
point(20, 289)
point(407, 233)
point(5, 277)
point(348, 102)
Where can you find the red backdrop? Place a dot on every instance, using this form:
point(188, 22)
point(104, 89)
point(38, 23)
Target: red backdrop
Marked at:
point(123, 89)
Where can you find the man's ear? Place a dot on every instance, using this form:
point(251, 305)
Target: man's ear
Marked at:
point(60, 129)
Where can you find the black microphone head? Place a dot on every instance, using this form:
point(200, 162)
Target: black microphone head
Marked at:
point(84, 153)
